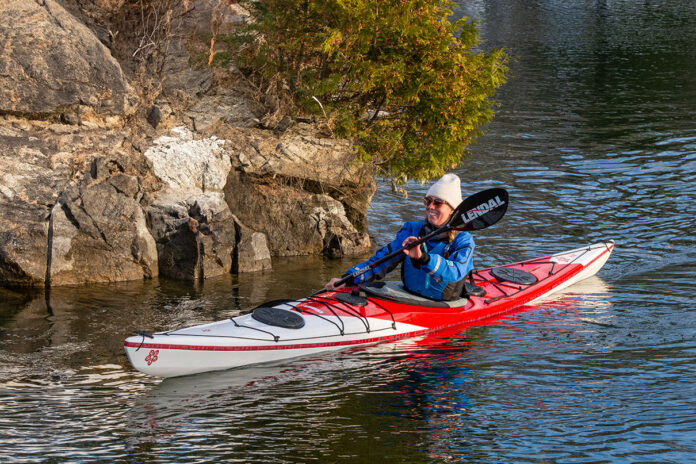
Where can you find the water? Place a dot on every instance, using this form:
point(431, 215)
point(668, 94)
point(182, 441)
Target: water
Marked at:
point(595, 138)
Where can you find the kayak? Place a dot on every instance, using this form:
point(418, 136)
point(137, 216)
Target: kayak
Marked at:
point(369, 313)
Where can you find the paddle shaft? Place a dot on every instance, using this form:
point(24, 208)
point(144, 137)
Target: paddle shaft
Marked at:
point(393, 254)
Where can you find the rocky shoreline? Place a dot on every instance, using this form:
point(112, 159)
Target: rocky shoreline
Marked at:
point(121, 160)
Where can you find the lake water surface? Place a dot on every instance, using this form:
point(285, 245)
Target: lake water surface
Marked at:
point(595, 138)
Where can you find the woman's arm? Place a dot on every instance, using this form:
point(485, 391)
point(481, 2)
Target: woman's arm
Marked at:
point(408, 229)
point(456, 266)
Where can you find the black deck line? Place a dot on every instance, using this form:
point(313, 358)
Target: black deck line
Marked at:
point(236, 324)
point(312, 299)
point(550, 273)
point(385, 310)
point(352, 311)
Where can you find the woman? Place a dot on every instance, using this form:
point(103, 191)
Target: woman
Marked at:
point(437, 268)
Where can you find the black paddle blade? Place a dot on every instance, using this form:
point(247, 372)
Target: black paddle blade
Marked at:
point(480, 210)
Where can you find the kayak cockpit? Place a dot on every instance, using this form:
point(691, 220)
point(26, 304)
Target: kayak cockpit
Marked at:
point(396, 292)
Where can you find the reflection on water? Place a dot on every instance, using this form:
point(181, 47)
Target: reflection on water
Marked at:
point(595, 138)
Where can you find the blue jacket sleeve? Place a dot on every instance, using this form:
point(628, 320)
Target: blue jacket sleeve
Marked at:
point(457, 265)
point(407, 230)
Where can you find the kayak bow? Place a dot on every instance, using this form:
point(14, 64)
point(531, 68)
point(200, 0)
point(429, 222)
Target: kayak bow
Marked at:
point(370, 313)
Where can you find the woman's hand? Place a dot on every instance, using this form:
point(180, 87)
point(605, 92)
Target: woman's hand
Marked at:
point(331, 284)
point(415, 252)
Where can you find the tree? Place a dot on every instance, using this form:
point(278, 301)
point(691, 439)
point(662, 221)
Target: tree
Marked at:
point(396, 76)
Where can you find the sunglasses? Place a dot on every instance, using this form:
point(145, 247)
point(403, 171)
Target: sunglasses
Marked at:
point(435, 201)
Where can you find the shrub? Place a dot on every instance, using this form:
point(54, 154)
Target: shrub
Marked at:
point(397, 77)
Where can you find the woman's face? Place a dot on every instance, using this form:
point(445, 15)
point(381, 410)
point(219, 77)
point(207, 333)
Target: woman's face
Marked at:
point(437, 211)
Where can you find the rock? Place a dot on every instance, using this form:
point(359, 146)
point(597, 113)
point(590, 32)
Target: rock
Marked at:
point(296, 222)
point(52, 61)
point(189, 166)
point(154, 116)
point(226, 106)
point(179, 255)
point(252, 254)
point(175, 238)
point(89, 195)
point(23, 238)
point(70, 117)
point(30, 182)
point(196, 80)
point(70, 216)
point(338, 243)
point(293, 186)
point(164, 219)
point(283, 124)
point(192, 22)
point(217, 234)
point(197, 235)
point(94, 13)
point(195, 240)
point(98, 232)
point(161, 116)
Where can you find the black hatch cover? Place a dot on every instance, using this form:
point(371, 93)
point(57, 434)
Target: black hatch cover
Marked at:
point(512, 275)
point(278, 317)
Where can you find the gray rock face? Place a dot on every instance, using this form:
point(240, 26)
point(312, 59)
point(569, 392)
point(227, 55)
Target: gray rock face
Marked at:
point(97, 230)
point(197, 235)
point(193, 243)
point(252, 254)
point(196, 240)
point(226, 106)
point(23, 237)
point(51, 61)
point(70, 218)
point(289, 186)
point(33, 172)
point(296, 222)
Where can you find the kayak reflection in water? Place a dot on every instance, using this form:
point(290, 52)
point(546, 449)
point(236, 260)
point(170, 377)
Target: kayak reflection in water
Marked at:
point(437, 268)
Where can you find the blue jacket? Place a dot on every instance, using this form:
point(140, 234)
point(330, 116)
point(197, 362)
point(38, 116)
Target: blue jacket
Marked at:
point(436, 275)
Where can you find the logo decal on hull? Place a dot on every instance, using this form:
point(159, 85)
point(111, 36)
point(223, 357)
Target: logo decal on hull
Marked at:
point(152, 357)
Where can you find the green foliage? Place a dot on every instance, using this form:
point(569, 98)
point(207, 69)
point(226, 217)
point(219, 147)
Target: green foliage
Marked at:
point(221, 59)
point(396, 76)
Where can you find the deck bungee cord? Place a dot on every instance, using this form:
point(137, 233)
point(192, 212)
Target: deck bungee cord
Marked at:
point(550, 273)
point(317, 298)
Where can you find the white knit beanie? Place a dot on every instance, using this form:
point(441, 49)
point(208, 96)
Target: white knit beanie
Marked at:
point(448, 188)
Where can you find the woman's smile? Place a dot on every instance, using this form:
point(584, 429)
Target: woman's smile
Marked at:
point(438, 215)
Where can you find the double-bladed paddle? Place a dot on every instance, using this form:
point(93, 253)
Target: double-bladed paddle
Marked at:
point(481, 210)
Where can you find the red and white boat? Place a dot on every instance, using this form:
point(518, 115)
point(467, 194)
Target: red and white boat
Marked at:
point(370, 313)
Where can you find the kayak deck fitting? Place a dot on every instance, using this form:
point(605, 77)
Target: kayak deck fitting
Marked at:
point(366, 314)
